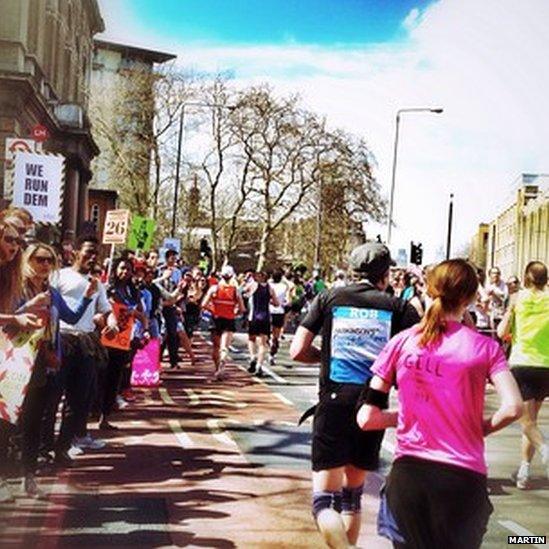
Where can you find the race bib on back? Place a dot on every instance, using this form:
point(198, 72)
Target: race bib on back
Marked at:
point(358, 335)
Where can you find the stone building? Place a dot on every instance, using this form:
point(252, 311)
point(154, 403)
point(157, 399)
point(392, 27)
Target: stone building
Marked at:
point(45, 66)
point(479, 246)
point(520, 232)
point(122, 112)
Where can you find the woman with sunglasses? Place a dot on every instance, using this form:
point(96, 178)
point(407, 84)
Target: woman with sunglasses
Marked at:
point(11, 285)
point(11, 281)
point(39, 263)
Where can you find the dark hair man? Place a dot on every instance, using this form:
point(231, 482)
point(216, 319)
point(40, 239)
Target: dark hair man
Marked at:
point(356, 322)
point(83, 353)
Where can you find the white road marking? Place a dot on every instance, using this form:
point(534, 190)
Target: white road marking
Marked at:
point(517, 529)
point(134, 440)
point(183, 438)
point(217, 429)
point(283, 399)
point(165, 396)
point(276, 377)
point(193, 397)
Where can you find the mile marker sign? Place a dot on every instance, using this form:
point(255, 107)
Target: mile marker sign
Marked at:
point(116, 227)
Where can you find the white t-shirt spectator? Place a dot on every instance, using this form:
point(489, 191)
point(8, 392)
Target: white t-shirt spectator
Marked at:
point(498, 296)
point(72, 286)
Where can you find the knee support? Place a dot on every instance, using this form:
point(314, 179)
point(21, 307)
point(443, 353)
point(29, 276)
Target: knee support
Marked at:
point(351, 499)
point(326, 500)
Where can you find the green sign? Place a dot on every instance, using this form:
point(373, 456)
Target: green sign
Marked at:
point(141, 233)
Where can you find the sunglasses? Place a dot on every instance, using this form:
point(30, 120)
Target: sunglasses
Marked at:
point(12, 239)
point(44, 259)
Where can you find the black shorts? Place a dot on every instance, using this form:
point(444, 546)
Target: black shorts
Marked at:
point(337, 438)
point(277, 320)
point(533, 381)
point(437, 505)
point(258, 328)
point(221, 325)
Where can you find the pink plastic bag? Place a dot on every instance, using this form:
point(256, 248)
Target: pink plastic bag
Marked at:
point(146, 365)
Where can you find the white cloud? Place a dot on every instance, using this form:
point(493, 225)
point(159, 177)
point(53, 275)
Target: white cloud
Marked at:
point(412, 20)
point(484, 62)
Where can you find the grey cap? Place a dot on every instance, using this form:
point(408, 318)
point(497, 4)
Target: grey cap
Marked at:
point(371, 258)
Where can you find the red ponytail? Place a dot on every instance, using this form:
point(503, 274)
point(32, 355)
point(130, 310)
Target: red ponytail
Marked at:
point(451, 284)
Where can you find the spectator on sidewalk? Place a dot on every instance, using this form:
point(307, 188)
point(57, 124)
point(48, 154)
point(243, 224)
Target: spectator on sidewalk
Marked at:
point(12, 291)
point(83, 354)
point(39, 263)
point(497, 292)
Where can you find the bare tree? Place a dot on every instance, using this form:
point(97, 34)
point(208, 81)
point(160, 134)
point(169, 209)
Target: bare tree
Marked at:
point(284, 145)
point(134, 118)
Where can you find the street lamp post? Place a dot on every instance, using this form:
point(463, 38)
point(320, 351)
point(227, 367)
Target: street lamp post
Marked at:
point(179, 147)
point(437, 110)
point(450, 219)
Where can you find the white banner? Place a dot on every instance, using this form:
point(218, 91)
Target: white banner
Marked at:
point(15, 145)
point(38, 185)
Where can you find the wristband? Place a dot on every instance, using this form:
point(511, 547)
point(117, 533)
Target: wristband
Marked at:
point(373, 397)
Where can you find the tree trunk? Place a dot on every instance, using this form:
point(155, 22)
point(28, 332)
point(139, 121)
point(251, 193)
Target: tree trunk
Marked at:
point(263, 248)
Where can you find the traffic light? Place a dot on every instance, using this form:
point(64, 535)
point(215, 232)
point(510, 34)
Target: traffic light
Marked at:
point(205, 250)
point(416, 253)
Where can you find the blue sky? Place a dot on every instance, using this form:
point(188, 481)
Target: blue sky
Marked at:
point(320, 22)
point(358, 61)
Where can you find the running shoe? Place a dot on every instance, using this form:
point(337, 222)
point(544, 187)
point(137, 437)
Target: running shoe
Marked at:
point(75, 451)
point(521, 477)
point(90, 443)
point(128, 395)
point(5, 493)
point(121, 403)
point(259, 372)
point(106, 426)
point(31, 490)
point(253, 364)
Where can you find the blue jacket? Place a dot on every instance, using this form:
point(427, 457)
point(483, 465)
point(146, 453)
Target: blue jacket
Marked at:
point(61, 311)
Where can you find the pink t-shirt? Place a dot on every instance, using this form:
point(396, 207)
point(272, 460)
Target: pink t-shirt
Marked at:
point(441, 393)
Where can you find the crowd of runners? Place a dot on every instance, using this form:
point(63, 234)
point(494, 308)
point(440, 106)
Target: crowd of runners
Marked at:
point(438, 333)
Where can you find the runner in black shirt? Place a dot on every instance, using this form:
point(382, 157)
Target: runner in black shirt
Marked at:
point(356, 322)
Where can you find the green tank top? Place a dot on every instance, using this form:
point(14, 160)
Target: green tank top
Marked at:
point(530, 329)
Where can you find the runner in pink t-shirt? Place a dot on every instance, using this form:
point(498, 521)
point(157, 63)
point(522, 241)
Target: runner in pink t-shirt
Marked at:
point(441, 393)
point(436, 494)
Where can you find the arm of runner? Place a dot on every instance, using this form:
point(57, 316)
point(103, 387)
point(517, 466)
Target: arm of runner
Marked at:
point(274, 299)
point(504, 327)
point(302, 348)
point(208, 297)
point(511, 406)
point(371, 416)
point(240, 301)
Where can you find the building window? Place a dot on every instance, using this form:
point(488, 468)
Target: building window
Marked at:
point(94, 215)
